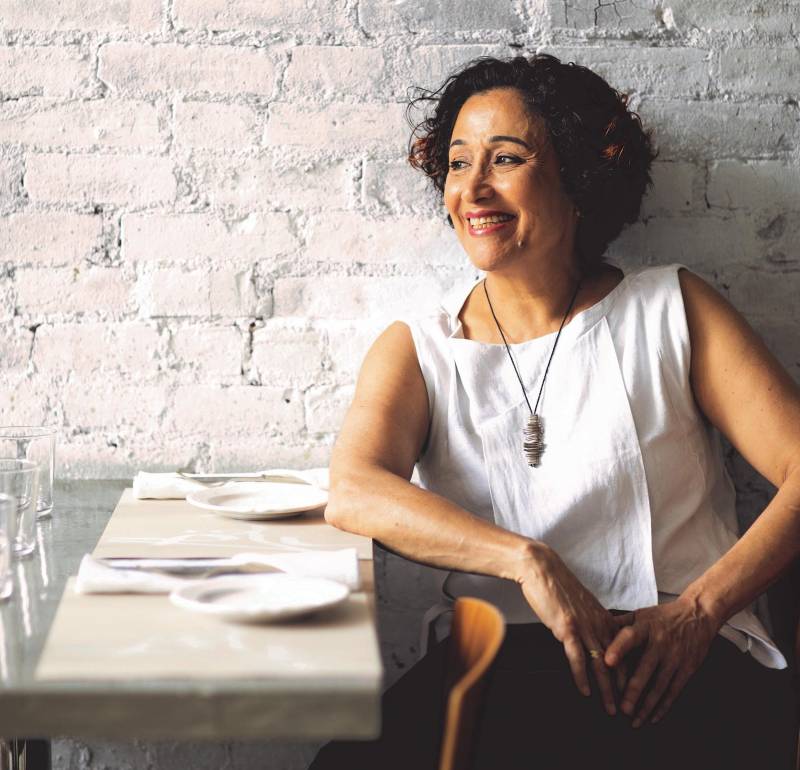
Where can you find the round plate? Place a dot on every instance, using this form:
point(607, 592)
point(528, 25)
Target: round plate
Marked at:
point(259, 598)
point(259, 499)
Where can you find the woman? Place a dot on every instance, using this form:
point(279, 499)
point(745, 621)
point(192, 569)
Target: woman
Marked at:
point(559, 414)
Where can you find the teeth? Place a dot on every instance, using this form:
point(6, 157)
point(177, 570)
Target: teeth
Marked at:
point(479, 222)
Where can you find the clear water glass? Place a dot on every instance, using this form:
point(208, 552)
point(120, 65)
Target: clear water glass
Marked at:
point(37, 444)
point(8, 510)
point(19, 479)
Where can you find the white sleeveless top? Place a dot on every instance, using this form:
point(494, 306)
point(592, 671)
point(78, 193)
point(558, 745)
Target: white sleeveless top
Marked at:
point(631, 491)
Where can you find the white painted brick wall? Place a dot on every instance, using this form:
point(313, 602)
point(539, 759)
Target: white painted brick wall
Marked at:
point(314, 18)
point(125, 16)
point(664, 72)
point(120, 180)
point(446, 16)
point(283, 179)
point(288, 353)
point(82, 125)
point(63, 71)
point(186, 69)
point(65, 292)
point(338, 127)
point(48, 237)
point(215, 125)
point(205, 238)
point(323, 72)
point(206, 216)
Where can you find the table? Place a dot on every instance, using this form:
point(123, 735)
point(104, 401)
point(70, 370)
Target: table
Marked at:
point(292, 707)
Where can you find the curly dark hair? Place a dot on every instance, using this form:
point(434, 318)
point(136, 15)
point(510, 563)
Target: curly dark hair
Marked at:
point(604, 154)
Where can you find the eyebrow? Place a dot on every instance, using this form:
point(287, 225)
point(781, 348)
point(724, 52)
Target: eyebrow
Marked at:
point(497, 138)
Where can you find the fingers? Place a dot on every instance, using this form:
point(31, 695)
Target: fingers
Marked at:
point(644, 671)
point(678, 682)
point(626, 639)
point(621, 676)
point(663, 679)
point(603, 676)
point(577, 662)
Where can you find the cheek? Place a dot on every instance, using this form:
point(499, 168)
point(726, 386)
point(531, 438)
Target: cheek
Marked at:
point(450, 194)
point(451, 206)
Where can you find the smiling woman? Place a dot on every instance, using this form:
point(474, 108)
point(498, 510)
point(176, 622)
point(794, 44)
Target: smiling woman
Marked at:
point(520, 168)
point(609, 539)
point(601, 153)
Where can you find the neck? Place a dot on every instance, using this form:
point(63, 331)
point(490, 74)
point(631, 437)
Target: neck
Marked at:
point(531, 300)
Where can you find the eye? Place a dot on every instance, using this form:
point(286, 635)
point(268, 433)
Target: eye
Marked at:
point(506, 160)
point(456, 165)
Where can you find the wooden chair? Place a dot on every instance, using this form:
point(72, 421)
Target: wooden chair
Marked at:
point(476, 635)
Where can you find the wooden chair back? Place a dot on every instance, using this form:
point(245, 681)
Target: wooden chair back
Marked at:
point(476, 635)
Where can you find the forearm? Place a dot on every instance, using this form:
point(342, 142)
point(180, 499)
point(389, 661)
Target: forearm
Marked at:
point(757, 560)
point(423, 526)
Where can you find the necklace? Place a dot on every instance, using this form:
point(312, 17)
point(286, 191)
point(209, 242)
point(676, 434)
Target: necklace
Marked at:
point(533, 432)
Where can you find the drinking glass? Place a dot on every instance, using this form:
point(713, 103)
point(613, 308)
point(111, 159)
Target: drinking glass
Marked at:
point(19, 479)
point(39, 446)
point(8, 510)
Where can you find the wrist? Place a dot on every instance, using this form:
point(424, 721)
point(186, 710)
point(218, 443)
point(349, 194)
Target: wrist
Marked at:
point(705, 602)
point(530, 559)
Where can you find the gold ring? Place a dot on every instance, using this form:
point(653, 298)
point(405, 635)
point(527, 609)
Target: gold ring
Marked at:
point(595, 653)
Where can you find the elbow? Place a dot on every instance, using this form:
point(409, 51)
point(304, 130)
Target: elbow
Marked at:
point(342, 500)
point(333, 514)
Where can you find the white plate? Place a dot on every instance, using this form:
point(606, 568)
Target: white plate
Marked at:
point(259, 598)
point(259, 499)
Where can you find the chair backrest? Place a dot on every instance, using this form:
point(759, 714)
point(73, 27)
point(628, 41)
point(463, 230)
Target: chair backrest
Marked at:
point(475, 637)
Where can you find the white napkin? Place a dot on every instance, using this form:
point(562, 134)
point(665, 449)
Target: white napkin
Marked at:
point(95, 577)
point(171, 486)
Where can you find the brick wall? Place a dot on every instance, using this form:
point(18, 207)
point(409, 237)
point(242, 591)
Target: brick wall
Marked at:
point(206, 215)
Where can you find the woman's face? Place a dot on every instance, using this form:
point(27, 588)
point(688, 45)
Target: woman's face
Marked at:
point(503, 186)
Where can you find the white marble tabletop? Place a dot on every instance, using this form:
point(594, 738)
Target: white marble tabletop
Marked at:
point(318, 678)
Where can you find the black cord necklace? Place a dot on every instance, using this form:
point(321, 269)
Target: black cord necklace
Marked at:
point(533, 432)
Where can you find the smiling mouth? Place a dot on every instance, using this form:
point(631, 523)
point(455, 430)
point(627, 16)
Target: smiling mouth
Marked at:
point(483, 223)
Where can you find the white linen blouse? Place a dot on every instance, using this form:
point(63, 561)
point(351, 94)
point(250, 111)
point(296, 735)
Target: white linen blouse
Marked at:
point(631, 492)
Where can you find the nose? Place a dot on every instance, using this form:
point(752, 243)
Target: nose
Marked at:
point(477, 186)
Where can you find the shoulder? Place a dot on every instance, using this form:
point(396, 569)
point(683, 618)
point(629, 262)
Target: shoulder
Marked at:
point(649, 319)
point(661, 292)
point(651, 297)
point(699, 295)
point(712, 321)
point(655, 279)
point(389, 367)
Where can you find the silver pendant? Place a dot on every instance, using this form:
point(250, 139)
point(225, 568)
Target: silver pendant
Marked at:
point(533, 444)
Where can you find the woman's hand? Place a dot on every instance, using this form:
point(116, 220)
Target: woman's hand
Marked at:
point(575, 618)
point(676, 638)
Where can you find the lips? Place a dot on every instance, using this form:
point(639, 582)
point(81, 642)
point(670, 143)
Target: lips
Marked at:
point(485, 222)
point(478, 219)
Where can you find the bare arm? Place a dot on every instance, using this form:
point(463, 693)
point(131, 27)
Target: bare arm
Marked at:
point(753, 401)
point(372, 463)
point(745, 393)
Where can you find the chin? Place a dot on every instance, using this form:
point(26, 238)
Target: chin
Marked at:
point(489, 260)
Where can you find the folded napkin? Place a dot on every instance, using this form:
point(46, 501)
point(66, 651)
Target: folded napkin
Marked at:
point(171, 486)
point(94, 577)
